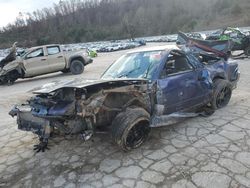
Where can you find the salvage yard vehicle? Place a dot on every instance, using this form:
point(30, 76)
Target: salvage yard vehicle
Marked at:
point(42, 60)
point(220, 48)
point(91, 53)
point(241, 41)
point(143, 89)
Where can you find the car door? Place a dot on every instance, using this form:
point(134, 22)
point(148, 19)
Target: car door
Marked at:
point(55, 58)
point(35, 63)
point(179, 87)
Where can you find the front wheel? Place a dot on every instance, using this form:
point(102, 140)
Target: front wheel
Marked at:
point(130, 128)
point(222, 94)
point(76, 67)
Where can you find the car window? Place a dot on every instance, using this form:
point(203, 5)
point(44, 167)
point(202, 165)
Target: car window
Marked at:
point(135, 65)
point(175, 65)
point(35, 53)
point(53, 50)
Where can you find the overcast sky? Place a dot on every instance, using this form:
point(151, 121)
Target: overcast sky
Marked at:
point(9, 9)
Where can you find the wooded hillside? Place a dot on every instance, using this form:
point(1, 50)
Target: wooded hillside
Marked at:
point(72, 21)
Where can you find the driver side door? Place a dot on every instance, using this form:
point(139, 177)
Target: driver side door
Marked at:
point(179, 87)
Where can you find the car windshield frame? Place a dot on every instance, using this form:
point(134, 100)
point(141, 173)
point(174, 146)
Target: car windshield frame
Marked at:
point(130, 65)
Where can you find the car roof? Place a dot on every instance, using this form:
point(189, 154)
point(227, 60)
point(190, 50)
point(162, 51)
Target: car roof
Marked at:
point(156, 48)
point(49, 45)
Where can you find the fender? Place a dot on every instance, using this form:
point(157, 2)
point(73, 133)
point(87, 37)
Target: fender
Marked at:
point(19, 67)
point(78, 57)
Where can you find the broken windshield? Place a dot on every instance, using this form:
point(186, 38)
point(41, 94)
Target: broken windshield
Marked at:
point(134, 65)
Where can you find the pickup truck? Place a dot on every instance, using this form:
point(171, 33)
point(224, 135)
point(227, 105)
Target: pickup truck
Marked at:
point(41, 60)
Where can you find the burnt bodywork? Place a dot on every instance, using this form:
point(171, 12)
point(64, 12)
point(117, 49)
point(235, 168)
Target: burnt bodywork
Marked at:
point(81, 107)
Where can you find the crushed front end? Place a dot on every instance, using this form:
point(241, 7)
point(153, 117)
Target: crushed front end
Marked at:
point(46, 113)
point(76, 110)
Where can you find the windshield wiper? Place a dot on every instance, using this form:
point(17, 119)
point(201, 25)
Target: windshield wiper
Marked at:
point(128, 73)
point(149, 67)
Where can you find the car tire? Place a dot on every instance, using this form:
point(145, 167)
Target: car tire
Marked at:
point(76, 67)
point(9, 78)
point(130, 128)
point(247, 51)
point(222, 94)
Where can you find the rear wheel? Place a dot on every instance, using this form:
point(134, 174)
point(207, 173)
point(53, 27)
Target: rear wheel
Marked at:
point(222, 93)
point(247, 51)
point(130, 129)
point(76, 67)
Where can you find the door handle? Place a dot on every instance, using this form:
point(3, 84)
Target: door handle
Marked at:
point(43, 59)
point(59, 56)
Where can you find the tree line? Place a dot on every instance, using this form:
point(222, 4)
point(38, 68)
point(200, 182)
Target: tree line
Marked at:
point(73, 21)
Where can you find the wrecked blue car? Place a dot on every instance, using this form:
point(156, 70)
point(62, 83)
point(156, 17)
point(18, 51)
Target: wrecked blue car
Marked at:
point(141, 90)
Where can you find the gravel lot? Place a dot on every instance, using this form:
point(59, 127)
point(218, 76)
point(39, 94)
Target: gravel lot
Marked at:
point(209, 152)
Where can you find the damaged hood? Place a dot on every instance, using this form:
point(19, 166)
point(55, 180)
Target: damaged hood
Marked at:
point(80, 83)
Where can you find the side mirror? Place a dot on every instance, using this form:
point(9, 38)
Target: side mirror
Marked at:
point(203, 75)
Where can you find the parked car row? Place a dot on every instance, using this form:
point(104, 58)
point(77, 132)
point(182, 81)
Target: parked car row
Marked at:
point(106, 46)
point(163, 38)
point(91, 47)
point(115, 45)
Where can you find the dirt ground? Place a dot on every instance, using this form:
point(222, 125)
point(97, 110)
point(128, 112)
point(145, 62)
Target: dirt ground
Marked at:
point(209, 152)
